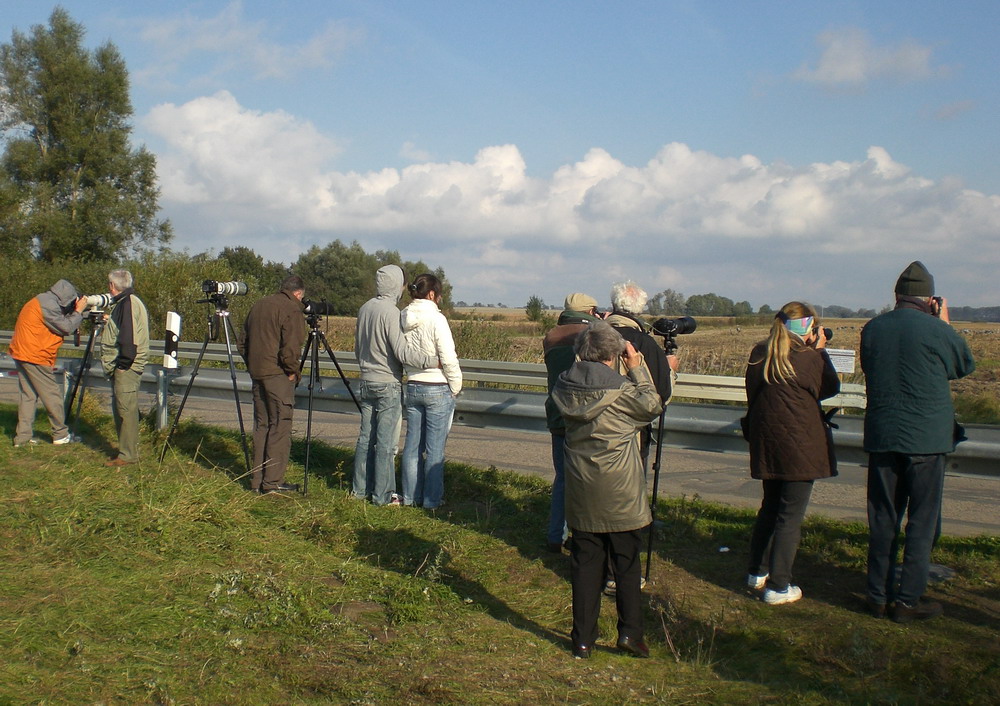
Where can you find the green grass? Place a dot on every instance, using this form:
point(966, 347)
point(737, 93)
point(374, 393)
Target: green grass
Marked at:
point(172, 584)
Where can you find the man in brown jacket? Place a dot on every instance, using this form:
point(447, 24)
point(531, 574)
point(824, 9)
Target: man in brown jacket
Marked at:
point(273, 335)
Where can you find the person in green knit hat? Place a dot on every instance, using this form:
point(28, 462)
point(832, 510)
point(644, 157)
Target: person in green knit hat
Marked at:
point(908, 356)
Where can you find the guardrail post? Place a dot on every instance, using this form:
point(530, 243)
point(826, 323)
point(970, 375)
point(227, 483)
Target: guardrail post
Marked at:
point(162, 390)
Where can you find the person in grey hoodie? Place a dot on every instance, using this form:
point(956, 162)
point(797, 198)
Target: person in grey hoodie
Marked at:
point(38, 333)
point(381, 350)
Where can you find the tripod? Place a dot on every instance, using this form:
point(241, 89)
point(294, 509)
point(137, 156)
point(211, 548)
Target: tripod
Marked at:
point(219, 317)
point(670, 348)
point(311, 352)
point(96, 317)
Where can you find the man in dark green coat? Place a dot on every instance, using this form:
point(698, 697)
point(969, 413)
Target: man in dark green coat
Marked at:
point(908, 356)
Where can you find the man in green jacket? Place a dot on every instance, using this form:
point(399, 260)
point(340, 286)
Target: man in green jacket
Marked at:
point(124, 352)
point(908, 356)
point(579, 311)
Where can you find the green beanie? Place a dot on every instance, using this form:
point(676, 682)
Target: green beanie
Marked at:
point(915, 281)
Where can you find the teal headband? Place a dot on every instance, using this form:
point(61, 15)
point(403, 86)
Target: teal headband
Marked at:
point(801, 327)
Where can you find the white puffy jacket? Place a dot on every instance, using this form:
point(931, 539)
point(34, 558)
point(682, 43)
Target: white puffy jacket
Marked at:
point(426, 329)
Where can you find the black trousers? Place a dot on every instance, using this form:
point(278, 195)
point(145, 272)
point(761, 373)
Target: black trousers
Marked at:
point(778, 530)
point(590, 553)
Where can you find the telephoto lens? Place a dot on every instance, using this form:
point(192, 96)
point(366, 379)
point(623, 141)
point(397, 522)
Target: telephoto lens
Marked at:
point(98, 301)
point(322, 308)
point(210, 286)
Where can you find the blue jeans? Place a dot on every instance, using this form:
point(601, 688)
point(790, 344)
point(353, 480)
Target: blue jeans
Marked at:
point(901, 484)
point(375, 452)
point(429, 411)
point(557, 512)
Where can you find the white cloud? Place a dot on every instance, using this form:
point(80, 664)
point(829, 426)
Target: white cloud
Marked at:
point(229, 42)
point(733, 225)
point(849, 59)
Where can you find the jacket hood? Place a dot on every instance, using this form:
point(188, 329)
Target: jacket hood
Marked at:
point(586, 390)
point(389, 282)
point(64, 292)
point(418, 311)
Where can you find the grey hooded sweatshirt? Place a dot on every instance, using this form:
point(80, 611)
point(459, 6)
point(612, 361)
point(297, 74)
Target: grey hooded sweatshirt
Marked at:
point(378, 338)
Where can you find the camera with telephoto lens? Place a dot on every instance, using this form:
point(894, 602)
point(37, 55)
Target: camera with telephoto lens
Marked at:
point(670, 329)
point(98, 301)
point(320, 308)
point(210, 286)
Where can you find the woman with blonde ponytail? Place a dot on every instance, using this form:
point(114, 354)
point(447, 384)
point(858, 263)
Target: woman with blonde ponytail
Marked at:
point(786, 377)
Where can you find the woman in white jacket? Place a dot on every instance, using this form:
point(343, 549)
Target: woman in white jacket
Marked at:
point(430, 394)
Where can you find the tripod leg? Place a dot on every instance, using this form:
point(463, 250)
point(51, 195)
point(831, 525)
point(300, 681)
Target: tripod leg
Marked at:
point(187, 391)
point(81, 379)
point(313, 350)
point(236, 393)
point(340, 372)
point(656, 487)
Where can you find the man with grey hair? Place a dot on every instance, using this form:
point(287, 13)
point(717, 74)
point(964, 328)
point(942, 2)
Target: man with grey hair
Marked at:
point(628, 301)
point(606, 503)
point(124, 352)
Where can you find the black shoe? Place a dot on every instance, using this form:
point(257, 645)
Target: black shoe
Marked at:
point(282, 488)
point(923, 610)
point(633, 646)
point(876, 610)
point(582, 651)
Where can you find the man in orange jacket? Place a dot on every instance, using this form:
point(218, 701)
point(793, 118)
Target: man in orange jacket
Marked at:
point(38, 333)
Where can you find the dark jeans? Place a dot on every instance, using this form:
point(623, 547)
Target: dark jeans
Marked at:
point(901, 484)
point(778, 530)
point(589, 555)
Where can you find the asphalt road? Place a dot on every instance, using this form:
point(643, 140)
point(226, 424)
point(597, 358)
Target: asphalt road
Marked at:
point(970, 504)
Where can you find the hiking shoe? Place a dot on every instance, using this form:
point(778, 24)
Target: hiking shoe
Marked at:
point(789, 595)
point(68, 439)
point(756, 582)
point(923, 610)
point(30, 442)
point(876, 610)
point(396, 499)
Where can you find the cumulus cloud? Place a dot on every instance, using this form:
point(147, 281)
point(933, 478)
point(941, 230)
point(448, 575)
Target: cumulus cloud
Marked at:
point(701, 221)
point(848, 58)
point(230, 42)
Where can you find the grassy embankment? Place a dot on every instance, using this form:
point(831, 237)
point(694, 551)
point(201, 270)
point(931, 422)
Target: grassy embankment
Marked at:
point(171, 584)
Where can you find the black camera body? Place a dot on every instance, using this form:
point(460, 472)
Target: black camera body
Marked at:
point(670, 329)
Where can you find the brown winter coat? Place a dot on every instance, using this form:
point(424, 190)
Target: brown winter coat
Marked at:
point(788, 437)
point(273, 334)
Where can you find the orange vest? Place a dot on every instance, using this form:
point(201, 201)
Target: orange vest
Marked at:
point(33, 341)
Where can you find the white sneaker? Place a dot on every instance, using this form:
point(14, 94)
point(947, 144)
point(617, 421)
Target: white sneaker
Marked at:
point(756, 582)
point(68, 439)
point(396, 499)
point(611, 588)
point(789, 595)
point(30, 442)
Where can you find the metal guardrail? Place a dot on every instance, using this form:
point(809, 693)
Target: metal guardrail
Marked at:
point(511, 396)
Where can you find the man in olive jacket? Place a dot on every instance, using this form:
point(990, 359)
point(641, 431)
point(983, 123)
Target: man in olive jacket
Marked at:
point(579, 311)
point(273, 334)
point(124, 353)
point(908, 356)
point(606, 503)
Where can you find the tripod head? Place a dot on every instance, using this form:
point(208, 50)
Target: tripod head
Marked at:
point(313, 321)
point(221, 302)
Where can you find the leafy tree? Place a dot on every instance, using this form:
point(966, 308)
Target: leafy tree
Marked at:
point(765, 310)
point(742, 309)
point(534, 308)
point(709, 305)
point(72, 185)
point(248, 265)
point(344, 275)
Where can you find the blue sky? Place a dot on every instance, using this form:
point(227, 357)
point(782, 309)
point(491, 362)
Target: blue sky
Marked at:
point(762, 151)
